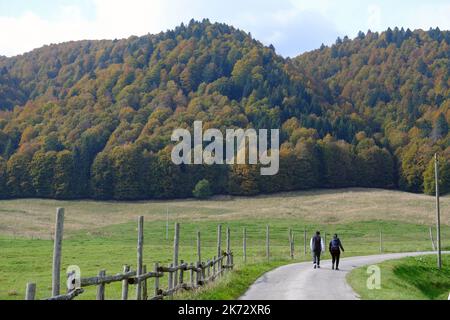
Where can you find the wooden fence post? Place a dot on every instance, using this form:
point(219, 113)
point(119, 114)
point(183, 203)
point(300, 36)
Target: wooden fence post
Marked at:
point(176, 247)
point(291, 243)
point(198, 274)
point(101, 286)
point(219, 247)
point(214, 267)
point(244, 246)
point(228, 246)
point(381, 241)
point(156, 270)
point(56, 270)
point(433, 245)
point(31, 291)
point(144, 285)
point(199, 252)
point(304, 244)
point(126, 269)
point(268, 243)
point(181, 276)
point(170, 278)
point(140, 247)
point(191, 275)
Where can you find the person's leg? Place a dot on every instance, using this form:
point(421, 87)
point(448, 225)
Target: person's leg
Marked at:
point(333, 260)
point(314, 259)
point(318, 259)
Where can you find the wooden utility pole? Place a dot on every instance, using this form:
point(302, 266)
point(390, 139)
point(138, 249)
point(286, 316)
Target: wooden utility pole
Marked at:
point(438, 211)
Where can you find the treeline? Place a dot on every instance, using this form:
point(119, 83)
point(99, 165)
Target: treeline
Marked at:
point(94, 118)
point(129, 173)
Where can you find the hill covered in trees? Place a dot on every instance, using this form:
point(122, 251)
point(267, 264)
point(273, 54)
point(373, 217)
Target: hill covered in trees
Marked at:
point(94, 118)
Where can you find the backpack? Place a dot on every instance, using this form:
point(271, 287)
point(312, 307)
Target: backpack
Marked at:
point(335, 244)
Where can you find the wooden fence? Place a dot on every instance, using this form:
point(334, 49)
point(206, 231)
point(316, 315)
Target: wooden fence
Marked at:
point(180, 275)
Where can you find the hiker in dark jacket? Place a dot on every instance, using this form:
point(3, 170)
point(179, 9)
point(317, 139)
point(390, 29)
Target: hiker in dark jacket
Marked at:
point(317, 247)
point(335, 250)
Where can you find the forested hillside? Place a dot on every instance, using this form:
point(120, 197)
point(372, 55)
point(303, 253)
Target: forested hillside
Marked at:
point(94, 118)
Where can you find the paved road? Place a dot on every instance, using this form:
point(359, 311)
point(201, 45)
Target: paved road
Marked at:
point(301, 282)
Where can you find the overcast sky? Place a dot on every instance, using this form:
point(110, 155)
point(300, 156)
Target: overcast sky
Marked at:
point(292, 26)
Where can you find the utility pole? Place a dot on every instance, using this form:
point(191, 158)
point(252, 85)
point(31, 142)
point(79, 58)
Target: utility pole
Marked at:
point(438, 213)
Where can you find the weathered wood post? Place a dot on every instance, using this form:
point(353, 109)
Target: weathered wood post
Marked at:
point(57, 248)
point(438, 212)
point(176, 247)
point(156, 270)
point(244, 246)
point(170, 277)
point(203, 273)
point(144, 284)
point(228, 246)
point(126, 269)
point(181, 276)
point(268, 243)
point(31, 291)
point(304, 242)
point(101, 286)
point(381, 241)
point(199, 252)
point(291, 243)
point(191, 274)
point(140, 249)
point(214, 267)
point(198, 279)
point(219, 248)
point(208, 274)
point(433, 245)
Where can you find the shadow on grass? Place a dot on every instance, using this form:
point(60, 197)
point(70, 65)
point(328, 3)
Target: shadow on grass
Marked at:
point(425, 276)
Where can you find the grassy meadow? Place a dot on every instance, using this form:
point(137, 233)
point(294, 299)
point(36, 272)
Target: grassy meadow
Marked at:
point(102, 235)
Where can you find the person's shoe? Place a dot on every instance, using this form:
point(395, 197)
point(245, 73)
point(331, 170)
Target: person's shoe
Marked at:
point(332, 267)
point(337, 269)
point(318, 267)
point(315, 267)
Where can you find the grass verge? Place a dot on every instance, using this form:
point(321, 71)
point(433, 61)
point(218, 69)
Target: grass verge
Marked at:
point(415, 278)
point(234, 284)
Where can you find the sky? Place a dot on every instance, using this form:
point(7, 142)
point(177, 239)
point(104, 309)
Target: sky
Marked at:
point(292, 26)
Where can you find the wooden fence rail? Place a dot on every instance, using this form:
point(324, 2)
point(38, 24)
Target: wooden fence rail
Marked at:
point(200, 273)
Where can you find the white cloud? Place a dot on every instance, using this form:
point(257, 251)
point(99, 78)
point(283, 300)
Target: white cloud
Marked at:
point(292, 26)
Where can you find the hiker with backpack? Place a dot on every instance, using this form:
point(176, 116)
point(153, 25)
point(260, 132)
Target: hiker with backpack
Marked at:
point(317, 247)
point(335, 250)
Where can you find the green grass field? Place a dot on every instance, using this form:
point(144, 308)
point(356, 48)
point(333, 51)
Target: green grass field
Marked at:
point(415, 278)
point(102, 235)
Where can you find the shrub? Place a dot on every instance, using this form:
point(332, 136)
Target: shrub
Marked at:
point(202, 190)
